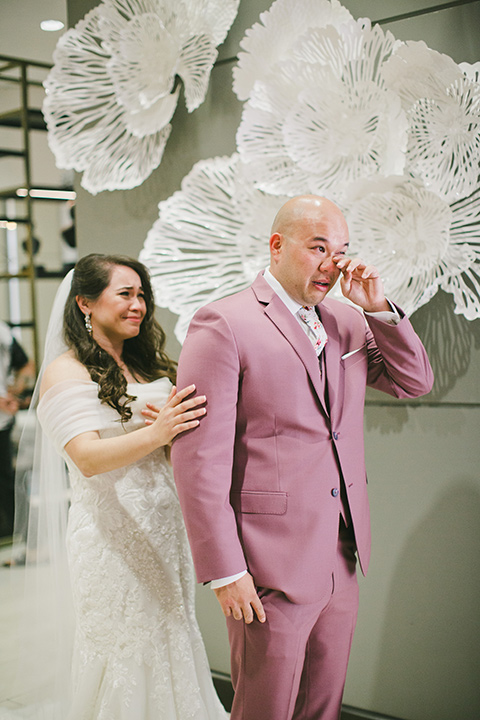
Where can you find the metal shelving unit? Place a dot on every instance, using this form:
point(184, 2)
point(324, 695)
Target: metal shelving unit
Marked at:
point(19, 73)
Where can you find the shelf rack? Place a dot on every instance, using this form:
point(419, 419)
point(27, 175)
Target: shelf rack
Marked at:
point(26, 118)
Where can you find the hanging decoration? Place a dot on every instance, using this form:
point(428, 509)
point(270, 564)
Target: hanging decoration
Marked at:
point(420, 241)
point(333, 106)
point(324, 118)
point(285, 22)
point(442, 104)
point(210, 238)
point(116, 80)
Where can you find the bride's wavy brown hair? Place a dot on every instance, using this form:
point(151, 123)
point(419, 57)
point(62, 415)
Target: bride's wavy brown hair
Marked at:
point(144, 354)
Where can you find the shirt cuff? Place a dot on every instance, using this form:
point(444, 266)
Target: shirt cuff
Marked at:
point(221, 582)
point(391, 318)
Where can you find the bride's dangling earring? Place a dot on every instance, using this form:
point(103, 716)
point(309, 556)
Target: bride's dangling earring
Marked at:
point(88, 323)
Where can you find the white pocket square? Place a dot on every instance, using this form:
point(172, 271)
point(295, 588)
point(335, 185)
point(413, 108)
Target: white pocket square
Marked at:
point(352, 352)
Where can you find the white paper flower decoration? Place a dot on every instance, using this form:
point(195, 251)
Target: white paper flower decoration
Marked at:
point(419, 242)
point(273, 40)
point(324, 118)
point(388, 130)
point(210, 240)
point(114, 86)
point(442, 101)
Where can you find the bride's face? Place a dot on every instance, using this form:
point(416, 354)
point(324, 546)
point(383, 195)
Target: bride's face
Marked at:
point(118, 312)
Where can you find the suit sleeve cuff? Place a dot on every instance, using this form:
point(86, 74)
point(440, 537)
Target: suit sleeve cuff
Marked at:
point(391, 318)
point(221, 582)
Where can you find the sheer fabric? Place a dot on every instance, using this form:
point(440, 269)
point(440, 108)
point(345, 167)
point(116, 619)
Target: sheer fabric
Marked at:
point(44, 619)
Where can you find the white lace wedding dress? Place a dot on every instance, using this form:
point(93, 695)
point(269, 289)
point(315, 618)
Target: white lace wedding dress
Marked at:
point(138, 653)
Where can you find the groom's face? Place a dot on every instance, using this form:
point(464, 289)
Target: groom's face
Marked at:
point(303, 259)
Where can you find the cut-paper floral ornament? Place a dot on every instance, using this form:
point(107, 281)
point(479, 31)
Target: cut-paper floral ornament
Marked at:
point(442, 102)
point(338, 108)
point(325, 118)
point(210, 239)
point(340, 103)
point(114, 86)
point(271, 41)
point(418, 241)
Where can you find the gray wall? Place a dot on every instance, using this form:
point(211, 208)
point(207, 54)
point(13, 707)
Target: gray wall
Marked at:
point(416, 652)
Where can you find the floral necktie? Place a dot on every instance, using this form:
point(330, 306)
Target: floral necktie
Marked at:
point(319, 336)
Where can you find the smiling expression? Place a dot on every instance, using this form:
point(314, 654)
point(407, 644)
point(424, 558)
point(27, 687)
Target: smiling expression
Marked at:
point(309, 232)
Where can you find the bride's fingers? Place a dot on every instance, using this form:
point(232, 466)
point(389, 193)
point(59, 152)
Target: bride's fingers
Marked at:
point(150, 409)
point(190, 404)
point(187, 420)
point(188, 415)
point(182, 394)
point(180, 401)
point(150, 416)
point(172, 394)
point(181, 427)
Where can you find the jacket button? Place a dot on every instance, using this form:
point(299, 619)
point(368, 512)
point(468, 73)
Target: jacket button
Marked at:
point(335, 492)
point(335, 435)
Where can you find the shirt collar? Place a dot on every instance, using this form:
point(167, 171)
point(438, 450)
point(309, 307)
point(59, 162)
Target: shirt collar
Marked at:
point(290, 303)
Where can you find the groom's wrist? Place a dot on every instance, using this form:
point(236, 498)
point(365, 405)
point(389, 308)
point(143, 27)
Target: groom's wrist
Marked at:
point(221, 582)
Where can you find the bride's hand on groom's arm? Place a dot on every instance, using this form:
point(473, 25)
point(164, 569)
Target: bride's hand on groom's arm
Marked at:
point(180, 413)
point(94, 455)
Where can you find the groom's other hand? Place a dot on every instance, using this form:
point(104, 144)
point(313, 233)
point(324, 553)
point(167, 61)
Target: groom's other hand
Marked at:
point(240, 600)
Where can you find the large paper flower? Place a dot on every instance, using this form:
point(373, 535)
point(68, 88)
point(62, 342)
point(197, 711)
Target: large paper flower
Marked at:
point(325, 118)
point(267, 44)
point(442, 101)
point(210, 240)
point(115, 83)
point(386, 129)
point(419, 242)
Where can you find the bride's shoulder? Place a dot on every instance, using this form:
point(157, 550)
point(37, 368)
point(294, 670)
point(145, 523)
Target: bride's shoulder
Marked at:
point(64, 367)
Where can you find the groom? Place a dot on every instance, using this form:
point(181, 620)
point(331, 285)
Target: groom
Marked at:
point(272, 483)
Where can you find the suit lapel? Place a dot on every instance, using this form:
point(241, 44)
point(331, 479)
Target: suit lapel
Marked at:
point(289, 327)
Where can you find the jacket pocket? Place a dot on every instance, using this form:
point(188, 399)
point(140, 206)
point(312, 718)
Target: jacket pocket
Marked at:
point(258, 502)
point(354, 357)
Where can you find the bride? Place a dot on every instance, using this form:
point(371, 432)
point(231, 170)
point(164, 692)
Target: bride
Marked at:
point(137, 650)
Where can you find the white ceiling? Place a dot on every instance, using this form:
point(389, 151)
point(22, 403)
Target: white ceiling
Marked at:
point(20, 32)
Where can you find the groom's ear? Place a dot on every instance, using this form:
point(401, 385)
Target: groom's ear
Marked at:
point(275, 241)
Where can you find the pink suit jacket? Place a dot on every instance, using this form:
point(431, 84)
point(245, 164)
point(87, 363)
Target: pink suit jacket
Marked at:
point(258, 480)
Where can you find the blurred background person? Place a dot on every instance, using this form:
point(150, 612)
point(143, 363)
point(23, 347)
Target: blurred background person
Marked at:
point(15, 374)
